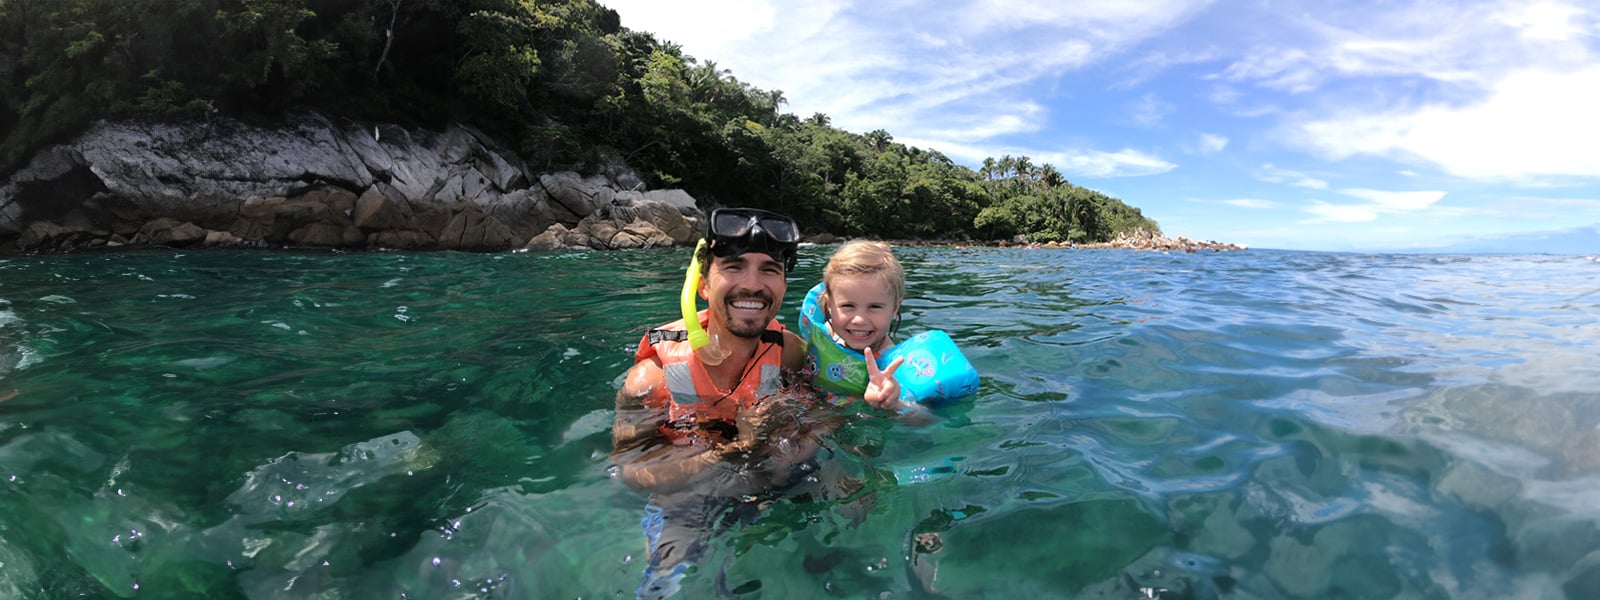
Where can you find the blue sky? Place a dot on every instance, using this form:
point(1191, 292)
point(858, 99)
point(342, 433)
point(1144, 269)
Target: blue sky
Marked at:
point(1298, 125)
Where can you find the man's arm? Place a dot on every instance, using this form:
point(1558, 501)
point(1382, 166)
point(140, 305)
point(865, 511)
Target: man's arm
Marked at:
point(794, 351)
point(665, 469)
point(645, 459)
point(636, 419)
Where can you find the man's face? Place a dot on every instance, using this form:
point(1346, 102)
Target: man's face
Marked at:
point(744, 292)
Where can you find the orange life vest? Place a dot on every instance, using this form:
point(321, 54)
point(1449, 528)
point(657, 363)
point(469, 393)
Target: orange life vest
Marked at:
point(696, 407)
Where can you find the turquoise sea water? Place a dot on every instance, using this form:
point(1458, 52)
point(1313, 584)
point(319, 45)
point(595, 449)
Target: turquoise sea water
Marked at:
point(1255, 424)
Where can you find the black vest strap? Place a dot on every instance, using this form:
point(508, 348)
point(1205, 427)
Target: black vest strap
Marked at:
point(656, 336)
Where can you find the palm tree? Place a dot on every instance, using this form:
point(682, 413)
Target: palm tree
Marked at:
point(707, 80)
point(776, 100)
point(1051, 177)
point(1024, 167)
point(1007, 165)
point(878, 139)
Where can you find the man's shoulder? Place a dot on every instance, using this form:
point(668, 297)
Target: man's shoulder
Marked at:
point(645, 375)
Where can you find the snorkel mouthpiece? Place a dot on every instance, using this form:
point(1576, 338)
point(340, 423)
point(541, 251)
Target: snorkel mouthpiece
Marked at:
point(706, 347)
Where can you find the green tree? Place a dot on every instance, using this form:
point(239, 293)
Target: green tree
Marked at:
point(1051, 177)
point(878, 140)
point(269, 57)
point(1087, 224)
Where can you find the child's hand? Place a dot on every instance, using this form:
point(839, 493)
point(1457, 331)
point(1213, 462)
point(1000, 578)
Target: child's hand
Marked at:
point(883, 390)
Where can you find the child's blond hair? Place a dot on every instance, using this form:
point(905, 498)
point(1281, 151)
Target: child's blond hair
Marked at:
point(862, 257)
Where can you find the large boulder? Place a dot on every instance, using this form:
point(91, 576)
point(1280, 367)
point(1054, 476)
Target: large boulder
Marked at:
point(327, 235)
point(598, 230)
point(554, 238)
point(170, 231)
point(678, 199)
point(577, 195)
point(472, 229)
point(667, 219)
point(376, 211)
point(526, 212)
point(640, 234)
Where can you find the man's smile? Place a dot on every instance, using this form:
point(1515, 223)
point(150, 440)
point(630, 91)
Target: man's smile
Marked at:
point(751, 302)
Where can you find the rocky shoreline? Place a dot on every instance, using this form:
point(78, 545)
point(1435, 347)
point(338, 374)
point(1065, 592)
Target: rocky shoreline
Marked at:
point(316, 183)
point(1140, 239)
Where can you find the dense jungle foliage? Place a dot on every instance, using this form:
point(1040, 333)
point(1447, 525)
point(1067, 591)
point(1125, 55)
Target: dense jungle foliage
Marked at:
point(559, 81)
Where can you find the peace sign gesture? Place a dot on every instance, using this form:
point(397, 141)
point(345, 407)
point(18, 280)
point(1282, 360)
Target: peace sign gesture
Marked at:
point(883, 390)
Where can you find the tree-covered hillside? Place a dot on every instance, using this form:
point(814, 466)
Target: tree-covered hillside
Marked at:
point(560, 81)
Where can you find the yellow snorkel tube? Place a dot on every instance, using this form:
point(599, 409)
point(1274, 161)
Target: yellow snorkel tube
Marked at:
point(705, 346)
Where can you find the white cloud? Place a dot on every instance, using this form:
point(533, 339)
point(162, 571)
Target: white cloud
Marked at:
point(1289, 70)
point(1465, 45)
point(1379, 202)
point(1499, 90)
point(1339, 213)
point(1149, 110)
point(1072, 162)
point(1534, 123)
point(1225, 95)
point(1549, 21)
point(1580, 203)
point(1211, 143)
point(1396, 201)
point(707, 39)
point(1112, 20)
point(1017, 117)
point(1153, 63)
point(1251, 203)
point(1123, 163)
point(1273, 174)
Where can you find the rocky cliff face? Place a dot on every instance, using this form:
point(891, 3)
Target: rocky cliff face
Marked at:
point(317, 183)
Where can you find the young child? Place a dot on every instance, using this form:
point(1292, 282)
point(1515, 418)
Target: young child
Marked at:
point(857, 309)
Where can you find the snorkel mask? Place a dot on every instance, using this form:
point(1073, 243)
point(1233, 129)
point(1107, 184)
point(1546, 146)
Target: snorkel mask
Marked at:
point(734, 231)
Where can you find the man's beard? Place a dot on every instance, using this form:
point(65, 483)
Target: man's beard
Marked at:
point(740, 329)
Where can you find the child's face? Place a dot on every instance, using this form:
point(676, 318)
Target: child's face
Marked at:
point(860, 310)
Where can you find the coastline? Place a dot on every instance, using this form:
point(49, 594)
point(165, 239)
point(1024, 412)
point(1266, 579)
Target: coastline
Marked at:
point(1139, 239)
point(320, 183)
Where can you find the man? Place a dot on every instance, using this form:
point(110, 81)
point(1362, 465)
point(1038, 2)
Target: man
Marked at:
point(692, 396)
point(689, 415)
